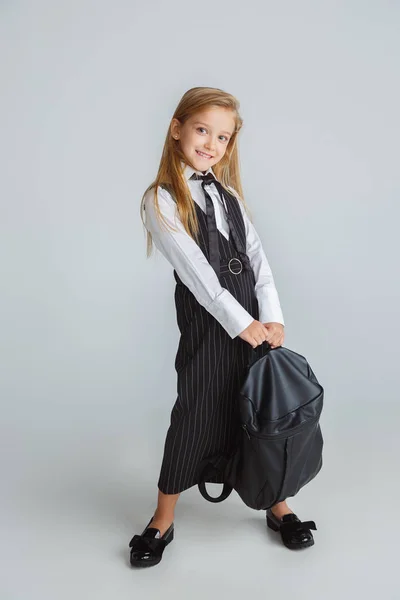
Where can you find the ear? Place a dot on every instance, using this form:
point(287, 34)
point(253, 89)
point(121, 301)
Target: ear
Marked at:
point(175, 129)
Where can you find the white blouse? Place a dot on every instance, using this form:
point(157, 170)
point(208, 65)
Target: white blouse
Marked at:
point(195, 271)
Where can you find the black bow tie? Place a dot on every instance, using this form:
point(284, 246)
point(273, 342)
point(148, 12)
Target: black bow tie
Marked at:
point(211, 223)
point(209, 178)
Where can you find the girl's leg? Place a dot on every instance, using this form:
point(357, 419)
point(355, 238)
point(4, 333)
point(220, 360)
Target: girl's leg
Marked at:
point(280, 509)
point(164, 513)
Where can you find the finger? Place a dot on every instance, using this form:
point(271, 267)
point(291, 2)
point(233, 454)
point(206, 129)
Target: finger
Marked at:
point(267, 335)
point(261, 336)
point(279, 342)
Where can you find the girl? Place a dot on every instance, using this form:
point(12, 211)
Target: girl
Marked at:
point(225, 297)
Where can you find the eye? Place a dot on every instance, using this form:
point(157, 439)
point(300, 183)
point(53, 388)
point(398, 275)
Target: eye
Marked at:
point(201, 129)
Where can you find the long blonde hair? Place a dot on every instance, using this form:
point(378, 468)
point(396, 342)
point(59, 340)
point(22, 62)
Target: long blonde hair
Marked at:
point(170, 172)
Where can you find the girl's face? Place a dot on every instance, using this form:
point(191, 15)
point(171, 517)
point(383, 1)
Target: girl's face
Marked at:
point(204, 137)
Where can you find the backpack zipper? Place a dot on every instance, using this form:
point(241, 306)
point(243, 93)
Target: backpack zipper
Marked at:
point(283, 434)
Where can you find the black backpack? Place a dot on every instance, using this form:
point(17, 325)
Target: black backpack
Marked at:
point(279, 443)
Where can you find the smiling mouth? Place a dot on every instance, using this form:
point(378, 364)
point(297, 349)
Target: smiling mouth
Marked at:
point(203, 154)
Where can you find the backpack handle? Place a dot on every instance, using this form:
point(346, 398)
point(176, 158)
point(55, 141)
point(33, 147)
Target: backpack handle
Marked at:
point(258, 352)
point(211, 470)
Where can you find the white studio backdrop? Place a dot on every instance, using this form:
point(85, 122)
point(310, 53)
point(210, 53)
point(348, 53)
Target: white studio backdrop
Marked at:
point(88, 327)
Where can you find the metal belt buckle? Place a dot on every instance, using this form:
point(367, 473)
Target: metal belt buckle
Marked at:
point(240, 264)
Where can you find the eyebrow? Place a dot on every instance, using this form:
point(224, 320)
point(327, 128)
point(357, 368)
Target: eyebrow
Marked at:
point(202, 123)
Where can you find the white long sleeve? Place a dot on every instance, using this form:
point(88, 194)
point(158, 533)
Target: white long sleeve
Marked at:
point(191, 264)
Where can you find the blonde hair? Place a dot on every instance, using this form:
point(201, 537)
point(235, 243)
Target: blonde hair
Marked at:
point(170, 173)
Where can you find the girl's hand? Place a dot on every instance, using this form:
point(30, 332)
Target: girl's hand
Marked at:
point(276, 334)
point(255, 334)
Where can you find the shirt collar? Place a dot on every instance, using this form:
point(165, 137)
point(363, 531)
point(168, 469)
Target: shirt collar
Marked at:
point(188, 171)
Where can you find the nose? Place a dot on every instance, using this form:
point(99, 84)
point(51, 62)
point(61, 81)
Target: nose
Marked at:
point(210, 143)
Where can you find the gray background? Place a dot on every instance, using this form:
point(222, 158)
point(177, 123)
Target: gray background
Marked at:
point(88, 330)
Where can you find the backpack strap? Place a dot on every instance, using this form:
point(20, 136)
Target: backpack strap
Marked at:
point(209, 470)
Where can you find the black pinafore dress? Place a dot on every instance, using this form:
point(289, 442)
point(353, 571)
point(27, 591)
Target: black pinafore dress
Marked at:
point(210, 368)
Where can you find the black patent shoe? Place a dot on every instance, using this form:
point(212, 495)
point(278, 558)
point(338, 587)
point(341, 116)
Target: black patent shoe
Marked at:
point(295, 534)
point(147, 548)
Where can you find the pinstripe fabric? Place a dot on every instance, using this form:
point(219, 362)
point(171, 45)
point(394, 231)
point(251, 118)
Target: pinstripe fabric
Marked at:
point(210, 367)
